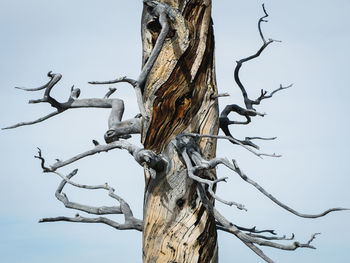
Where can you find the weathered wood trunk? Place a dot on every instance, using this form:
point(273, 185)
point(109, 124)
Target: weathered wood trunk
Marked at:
point(179, 97)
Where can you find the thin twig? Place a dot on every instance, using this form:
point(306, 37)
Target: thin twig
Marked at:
point(231, 139)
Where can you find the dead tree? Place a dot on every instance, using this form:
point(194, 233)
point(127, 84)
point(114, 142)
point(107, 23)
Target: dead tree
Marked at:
point(179, 122)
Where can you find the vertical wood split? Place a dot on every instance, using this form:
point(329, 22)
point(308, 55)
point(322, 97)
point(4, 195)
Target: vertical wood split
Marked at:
point(178, 98)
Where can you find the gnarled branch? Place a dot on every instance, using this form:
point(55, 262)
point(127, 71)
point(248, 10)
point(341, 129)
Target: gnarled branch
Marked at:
point(248, 239)
point(162, 11)
point(142, 156)
point(248, 112)
point(117, 127)
point(189, 153)
point(130, 222)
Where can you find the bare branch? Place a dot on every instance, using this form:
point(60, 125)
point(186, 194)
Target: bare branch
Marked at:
point(248, 111)
point(132, 82)
point(220, 227)
point(189, 154)
point(209, 183)
point(258, 251)
point(161, 11)
point(117, 127)
point(276, 201)
point(54, 78)
point(261, 138)
point(264, 96)
point(102, 220)
point(121, 129)
point(157, 162)
point(42, 161)
point(213, 97)
point(125, 79)
point(248, 102)
point(231, 139)
point(252, 229)
point(249, 239)
point(236, 169)
point(262, 19)
point(241, 111)
point(130, 221)
point(109, 93)
point(85, 208)
point(224, 122)
point(272, 237)
point(32, 122)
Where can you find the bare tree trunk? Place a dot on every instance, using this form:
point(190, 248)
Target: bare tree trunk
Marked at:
point(180, 95)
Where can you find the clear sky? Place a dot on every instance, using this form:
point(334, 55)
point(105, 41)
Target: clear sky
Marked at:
point(100, 40)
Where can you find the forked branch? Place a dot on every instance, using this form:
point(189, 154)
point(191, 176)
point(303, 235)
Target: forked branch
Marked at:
point(244, 144)
point(248, 239)
point(248, 112)
point(142, 156)
point(190, 154)
point(130, 222)
point(195, 163)
point(117, 127)
point(247, 101)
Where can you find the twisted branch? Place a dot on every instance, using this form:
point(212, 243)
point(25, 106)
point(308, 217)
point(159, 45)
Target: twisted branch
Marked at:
point(117, 127)
point(142, 156)
point(130, 222)
point(161, 11)
point(249, 239)
point(189, 153)
point(248, 112)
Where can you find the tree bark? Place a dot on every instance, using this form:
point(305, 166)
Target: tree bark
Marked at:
point(179, 96)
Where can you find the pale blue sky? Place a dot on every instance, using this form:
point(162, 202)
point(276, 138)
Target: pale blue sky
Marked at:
point(100, 40)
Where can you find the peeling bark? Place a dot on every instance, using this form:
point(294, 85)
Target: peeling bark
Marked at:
point(180, 95)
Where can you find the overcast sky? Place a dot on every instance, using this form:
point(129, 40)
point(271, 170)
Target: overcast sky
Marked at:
point(100, 40)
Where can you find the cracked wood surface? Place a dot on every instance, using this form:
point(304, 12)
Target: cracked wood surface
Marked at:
point(179, 96)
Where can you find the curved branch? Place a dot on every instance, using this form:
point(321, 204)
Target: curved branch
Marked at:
point(142, 156)
point(130, 222)
point(163, 20)
point(210, 183)
point(110, 92)
point(54, 78)
point(248, 102)
point(275, 200)
point(20, 124)
point(103, 210)
point(262, 19)
point(247, 239)
point(117, 127)
point(186, 149)
point(160, 10)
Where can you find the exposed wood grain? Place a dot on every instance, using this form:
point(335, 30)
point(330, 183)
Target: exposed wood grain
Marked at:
point(178, 97)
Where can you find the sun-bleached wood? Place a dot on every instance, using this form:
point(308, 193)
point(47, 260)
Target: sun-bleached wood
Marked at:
point(179, 96)
point(179, 121)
